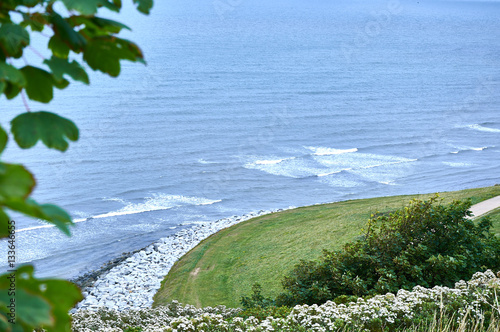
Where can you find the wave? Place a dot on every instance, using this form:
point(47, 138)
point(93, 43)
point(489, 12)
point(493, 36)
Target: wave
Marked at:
point(157, 202)
point(322, 151)
point(339, 168)
point(206, 162)
point(478, 127)
point(470, 148)
point(452, 164)
point(389, 163)
point(334, 172)
point(114, 199)
point(272, 162)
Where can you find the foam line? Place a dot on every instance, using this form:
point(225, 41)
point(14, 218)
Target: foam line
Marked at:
point(478, 127)
point(389, 163)
point(322, 151)
point(155, 203)
point(271, 162)
point(335, 172)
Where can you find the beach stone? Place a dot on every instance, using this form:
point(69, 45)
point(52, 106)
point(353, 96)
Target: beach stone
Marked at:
point(135, 280)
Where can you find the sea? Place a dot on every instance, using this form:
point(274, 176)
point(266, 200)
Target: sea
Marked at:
point(248, 105)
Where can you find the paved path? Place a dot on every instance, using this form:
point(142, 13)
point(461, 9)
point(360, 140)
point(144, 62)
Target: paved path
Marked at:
point(486, 206)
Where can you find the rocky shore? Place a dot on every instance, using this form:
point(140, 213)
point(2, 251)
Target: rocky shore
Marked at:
point(131, 280)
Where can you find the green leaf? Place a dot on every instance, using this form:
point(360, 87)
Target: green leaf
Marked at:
point(40, 303)
point(58, 47)
point(104, 54)
point(50, 128)
point(58, 217)
point(11, 90)
point(98, 26)
point(11, 74)
point(39, 84)
point(26, 206)
point(4, 224)
point(4, 324)
point(118, 3)
point(86, 7)
point(32, 310)
point(144, 6)
point(89, 7)
point(3, 139)
point(66, 295)
point(51, 213)
point(31, 3)
point(66, 34)
point(35, 21)
point(61, 66)
point(63, 83)
point(15, 182)
point(13, 38)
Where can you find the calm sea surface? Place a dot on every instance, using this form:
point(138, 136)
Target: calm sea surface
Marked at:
point(256, 104)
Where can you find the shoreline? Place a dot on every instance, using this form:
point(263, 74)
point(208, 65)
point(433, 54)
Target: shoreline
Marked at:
point(88, 279)
point(130, 280)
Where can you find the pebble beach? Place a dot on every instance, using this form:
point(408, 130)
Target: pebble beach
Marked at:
point(131, 283)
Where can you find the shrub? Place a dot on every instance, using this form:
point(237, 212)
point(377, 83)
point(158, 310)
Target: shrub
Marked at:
point(425, 243)
point(256, 299)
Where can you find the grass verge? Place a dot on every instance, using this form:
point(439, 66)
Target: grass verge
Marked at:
point(224, 266)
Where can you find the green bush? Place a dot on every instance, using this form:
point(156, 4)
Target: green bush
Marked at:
point(425, 243)
point(256, 299)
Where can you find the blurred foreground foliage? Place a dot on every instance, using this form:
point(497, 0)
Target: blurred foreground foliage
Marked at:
point(75, 35)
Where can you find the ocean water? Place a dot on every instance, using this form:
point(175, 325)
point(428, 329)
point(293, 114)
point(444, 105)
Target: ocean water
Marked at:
point(253, 104)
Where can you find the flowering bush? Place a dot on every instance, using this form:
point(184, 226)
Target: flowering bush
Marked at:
point(471, 303)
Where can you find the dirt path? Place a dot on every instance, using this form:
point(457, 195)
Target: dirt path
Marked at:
point(486, 206)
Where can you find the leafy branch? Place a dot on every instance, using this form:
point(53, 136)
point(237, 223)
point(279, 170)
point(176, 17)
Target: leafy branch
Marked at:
point(74, 37)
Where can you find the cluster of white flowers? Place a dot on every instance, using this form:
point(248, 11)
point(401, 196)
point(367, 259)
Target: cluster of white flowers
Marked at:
point(162, 318)
point(470, 298)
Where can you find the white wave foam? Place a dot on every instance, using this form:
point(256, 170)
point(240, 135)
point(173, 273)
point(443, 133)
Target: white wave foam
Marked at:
point(205, 162)
point(114, 199)
point(194, 222)
point(468, 148)
point(289, 167)
point(389, 163)
point(328, 163)
point(157, 202)
point(482, 128)
point(452, 164)
point(334, 172)
point(384, 169)
point(322, 151)
point(33, 228)
point(270, 162)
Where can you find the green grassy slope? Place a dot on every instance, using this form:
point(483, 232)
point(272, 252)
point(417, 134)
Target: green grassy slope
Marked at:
point(223, 267)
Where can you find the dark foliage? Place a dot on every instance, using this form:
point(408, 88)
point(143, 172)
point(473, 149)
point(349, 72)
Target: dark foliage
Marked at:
point(256, 299)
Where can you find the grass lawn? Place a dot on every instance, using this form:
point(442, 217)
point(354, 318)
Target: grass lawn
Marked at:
point(224, 266)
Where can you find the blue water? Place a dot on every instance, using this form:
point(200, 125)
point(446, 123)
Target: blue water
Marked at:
point(255, 104)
